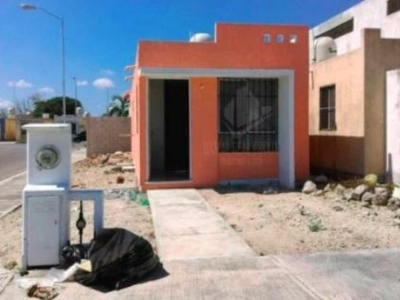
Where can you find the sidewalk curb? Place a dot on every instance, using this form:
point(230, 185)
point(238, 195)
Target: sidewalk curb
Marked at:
point(11, 178)
point(10, 210)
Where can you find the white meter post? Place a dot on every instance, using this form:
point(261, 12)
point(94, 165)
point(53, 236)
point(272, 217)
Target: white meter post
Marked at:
point(45, 197)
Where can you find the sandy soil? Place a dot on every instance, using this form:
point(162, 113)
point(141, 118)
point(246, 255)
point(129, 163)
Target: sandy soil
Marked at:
point(118, 212)
point(280, 223)
point(102, 172)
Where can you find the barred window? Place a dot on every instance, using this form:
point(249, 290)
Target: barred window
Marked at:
point(327, 108)
point(393, 6)
point(248, 115)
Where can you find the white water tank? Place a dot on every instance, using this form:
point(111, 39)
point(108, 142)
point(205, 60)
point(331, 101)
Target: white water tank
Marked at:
point(324, 48)
point(79, 111)
point(201, 37)
point(11, 111)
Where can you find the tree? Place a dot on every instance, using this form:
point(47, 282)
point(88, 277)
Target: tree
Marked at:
point(118, 107)
point(23, 107)
point(54, 106)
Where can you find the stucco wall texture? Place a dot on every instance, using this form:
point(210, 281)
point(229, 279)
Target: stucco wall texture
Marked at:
point(381, 55)
point(107, 135)
point(358, 145)
point(393, 125)
point(343, 148)
point(236, 46)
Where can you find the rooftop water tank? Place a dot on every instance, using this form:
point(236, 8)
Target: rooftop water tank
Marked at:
point(324, 48)
point(201, 37)
point(79, 111)
point(11, 111)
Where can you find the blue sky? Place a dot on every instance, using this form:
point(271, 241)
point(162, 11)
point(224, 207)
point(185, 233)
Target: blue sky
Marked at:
point(101, 38)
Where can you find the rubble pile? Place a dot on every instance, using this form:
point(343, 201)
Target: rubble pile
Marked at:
point(369, 193)
point(118, 158)
point(104, 170)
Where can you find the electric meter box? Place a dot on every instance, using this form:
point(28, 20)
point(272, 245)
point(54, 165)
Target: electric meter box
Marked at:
point(49, 154)
point(45, 225)
point(45, 203)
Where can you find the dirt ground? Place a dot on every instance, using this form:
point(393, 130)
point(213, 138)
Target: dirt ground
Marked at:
point(272, 222)
point(282, 223)
point(102, 172)
point(118, 210)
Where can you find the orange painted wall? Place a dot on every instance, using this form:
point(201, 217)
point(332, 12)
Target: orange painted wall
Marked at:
point(138, 125)
point(301, 138)
point(237, 46)
point(203, 137)
point(248, 165)
point(204, 130)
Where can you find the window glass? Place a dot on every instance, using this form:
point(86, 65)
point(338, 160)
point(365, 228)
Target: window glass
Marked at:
point(327, 109)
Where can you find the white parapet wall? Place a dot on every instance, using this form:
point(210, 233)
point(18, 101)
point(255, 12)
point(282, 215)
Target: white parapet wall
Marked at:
point(366, 14)
point(393, 125)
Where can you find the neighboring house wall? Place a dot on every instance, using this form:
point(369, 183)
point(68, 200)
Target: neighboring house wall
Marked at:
point(359, 73)
point(381, 55)
point(238, 49)
point(11, 129)
point(20, 134)
point(76, 122)
point(2, 128)
point(367, 14)
point(393, 125)
point(341, 149)
point(107, 135)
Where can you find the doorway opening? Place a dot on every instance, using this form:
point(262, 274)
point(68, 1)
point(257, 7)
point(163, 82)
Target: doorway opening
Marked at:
point(169, 130)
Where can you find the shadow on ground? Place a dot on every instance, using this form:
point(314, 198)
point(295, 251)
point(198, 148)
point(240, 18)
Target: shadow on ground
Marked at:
point(242, 188)
point(158, 273)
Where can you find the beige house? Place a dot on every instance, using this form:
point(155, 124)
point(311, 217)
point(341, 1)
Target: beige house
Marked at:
point(355, 91)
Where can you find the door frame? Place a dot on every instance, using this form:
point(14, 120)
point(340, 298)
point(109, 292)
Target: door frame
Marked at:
point(148, 139)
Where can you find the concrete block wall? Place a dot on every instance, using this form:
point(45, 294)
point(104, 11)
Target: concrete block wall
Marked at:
point(108, 135)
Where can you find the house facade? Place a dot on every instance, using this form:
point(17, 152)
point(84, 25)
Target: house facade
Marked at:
point(233, 108)
point(354, 91)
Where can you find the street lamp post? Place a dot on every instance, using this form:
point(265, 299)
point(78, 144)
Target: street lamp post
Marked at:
point(76, 93)
point(26, 6)
point(107, 100)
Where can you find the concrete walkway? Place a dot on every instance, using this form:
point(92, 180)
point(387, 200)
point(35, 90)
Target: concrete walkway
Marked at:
point(366, 275)
point(186, 227)
point(11, 188)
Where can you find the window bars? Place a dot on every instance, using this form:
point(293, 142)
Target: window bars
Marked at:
point(327, 108)
point(248, 115)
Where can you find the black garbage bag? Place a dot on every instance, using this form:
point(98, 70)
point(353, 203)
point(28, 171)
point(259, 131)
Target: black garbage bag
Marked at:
point(119, 258)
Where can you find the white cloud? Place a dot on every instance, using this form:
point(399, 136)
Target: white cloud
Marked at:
point(20, 84)
point(82, 83)
point(4, 104)
point(46, 90)
point(107, 72)
point(103, 83)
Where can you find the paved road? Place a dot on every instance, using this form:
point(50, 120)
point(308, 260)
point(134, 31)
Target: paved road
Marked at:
point(12, 159)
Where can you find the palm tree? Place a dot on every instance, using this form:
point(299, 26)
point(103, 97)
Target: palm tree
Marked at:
point(118, 107)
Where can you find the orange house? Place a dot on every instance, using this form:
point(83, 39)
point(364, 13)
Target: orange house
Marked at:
point(228, 109)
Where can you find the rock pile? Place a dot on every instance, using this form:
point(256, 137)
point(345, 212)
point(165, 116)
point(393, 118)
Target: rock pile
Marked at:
point(369, 193)
point(118, 159)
